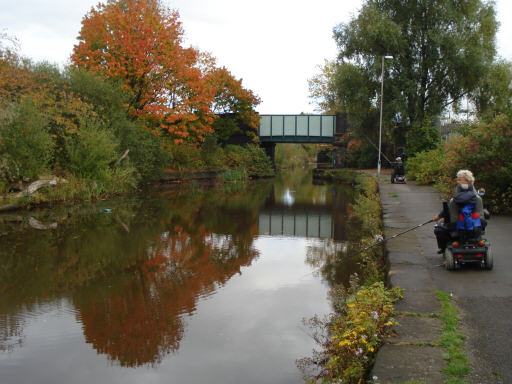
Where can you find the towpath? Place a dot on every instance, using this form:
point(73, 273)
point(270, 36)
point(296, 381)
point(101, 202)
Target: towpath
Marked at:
point(483, 298)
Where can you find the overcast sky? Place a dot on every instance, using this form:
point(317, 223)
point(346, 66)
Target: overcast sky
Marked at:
point(275, 46)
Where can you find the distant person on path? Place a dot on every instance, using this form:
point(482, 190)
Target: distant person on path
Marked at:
point(398, 168)
point(401, 154)
point(464, 194)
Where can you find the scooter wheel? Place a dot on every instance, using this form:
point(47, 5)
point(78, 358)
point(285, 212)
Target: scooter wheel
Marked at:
point(449, 261)
point(488, 258)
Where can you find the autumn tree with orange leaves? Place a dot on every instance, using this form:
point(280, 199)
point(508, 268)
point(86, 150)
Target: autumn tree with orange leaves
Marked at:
point(232, 99)
point(15, 76)
point(140, 42)
point(177, 90)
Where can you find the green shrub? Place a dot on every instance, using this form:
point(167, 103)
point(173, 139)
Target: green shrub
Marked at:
point(8, 111)
point(25, 144)
point(252, 158)
point(185, 157)
point(422, 136)
point(238, 125)
point(91, 151)
point(233, 175)
point(486, 150)
point(211, 152)
point(225, 127)
point(146, 154)
point(427, 166)
point(110, 181)
point(116, 180)
point(361, 155)
point(3, 187)
point(107, 97)
point(259, 163)
point(109, 101)
point(9, 169)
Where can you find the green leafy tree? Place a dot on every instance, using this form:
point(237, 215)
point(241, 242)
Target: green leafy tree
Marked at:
point(322, 89)
point(26, 147)
point(109, 101)
point(494, 94)
point(422, 136)
point(441, 49)
point(91, 150)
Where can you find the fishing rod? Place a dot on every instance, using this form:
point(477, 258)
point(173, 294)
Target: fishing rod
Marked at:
point(377, 148)
point(383, 240)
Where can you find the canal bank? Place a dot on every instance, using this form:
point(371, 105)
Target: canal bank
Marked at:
point(412, 353)
point(482, 298)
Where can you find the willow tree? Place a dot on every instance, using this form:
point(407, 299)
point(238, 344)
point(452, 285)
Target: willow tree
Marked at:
point(440, 49)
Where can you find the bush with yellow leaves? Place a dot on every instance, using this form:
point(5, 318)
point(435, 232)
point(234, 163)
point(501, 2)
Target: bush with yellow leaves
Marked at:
point(350, 337)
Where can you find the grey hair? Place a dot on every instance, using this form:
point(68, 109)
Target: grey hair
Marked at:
point(465, 174)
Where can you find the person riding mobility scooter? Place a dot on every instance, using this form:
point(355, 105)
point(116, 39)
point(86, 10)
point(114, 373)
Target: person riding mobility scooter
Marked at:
point(398, 174)
point(461, 226)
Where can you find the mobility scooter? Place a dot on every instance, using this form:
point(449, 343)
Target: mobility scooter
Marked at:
point(398, 174)
point(468, 246)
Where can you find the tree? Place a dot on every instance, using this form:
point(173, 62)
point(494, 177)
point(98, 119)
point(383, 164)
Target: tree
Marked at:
point(440, 48)
point(25, 143)
point(322, 88)
point(15, 76)
point(140, 42)
point(234, 103)
point(494, 94)
point(232, 97)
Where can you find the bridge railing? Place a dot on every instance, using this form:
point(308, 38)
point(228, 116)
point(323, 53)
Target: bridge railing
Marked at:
point(297, 128)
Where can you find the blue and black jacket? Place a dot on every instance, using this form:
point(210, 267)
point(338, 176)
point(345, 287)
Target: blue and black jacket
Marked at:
point(465, 210)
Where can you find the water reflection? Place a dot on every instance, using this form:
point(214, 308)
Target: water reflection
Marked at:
point(134, 273)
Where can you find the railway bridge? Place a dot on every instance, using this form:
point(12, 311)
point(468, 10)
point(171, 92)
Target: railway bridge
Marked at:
point(328, 129)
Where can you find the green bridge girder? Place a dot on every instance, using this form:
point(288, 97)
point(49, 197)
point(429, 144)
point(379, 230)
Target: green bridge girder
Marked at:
point(297, 128)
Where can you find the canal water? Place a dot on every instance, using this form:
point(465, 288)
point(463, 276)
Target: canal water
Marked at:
point(179, 284)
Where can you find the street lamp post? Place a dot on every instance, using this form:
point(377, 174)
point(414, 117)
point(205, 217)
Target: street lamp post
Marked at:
point(381, 99)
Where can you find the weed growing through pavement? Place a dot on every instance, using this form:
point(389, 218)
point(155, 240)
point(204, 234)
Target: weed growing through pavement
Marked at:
point(452, 341)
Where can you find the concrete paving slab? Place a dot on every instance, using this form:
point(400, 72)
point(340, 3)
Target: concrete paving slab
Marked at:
point(416, 329)
point(419, 302)
point(399, 257)
point(401, 363)
point(411, 277)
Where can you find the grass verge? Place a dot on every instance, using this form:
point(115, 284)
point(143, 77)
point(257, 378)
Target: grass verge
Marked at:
point(452, 342)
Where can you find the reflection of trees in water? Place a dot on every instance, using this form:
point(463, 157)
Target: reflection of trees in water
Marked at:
point(140, 321)
point(328, 257)
point(304, 192)
point(11, 332)
point(132, 272)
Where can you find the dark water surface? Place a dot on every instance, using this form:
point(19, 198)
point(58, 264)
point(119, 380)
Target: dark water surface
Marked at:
point(186, 285)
